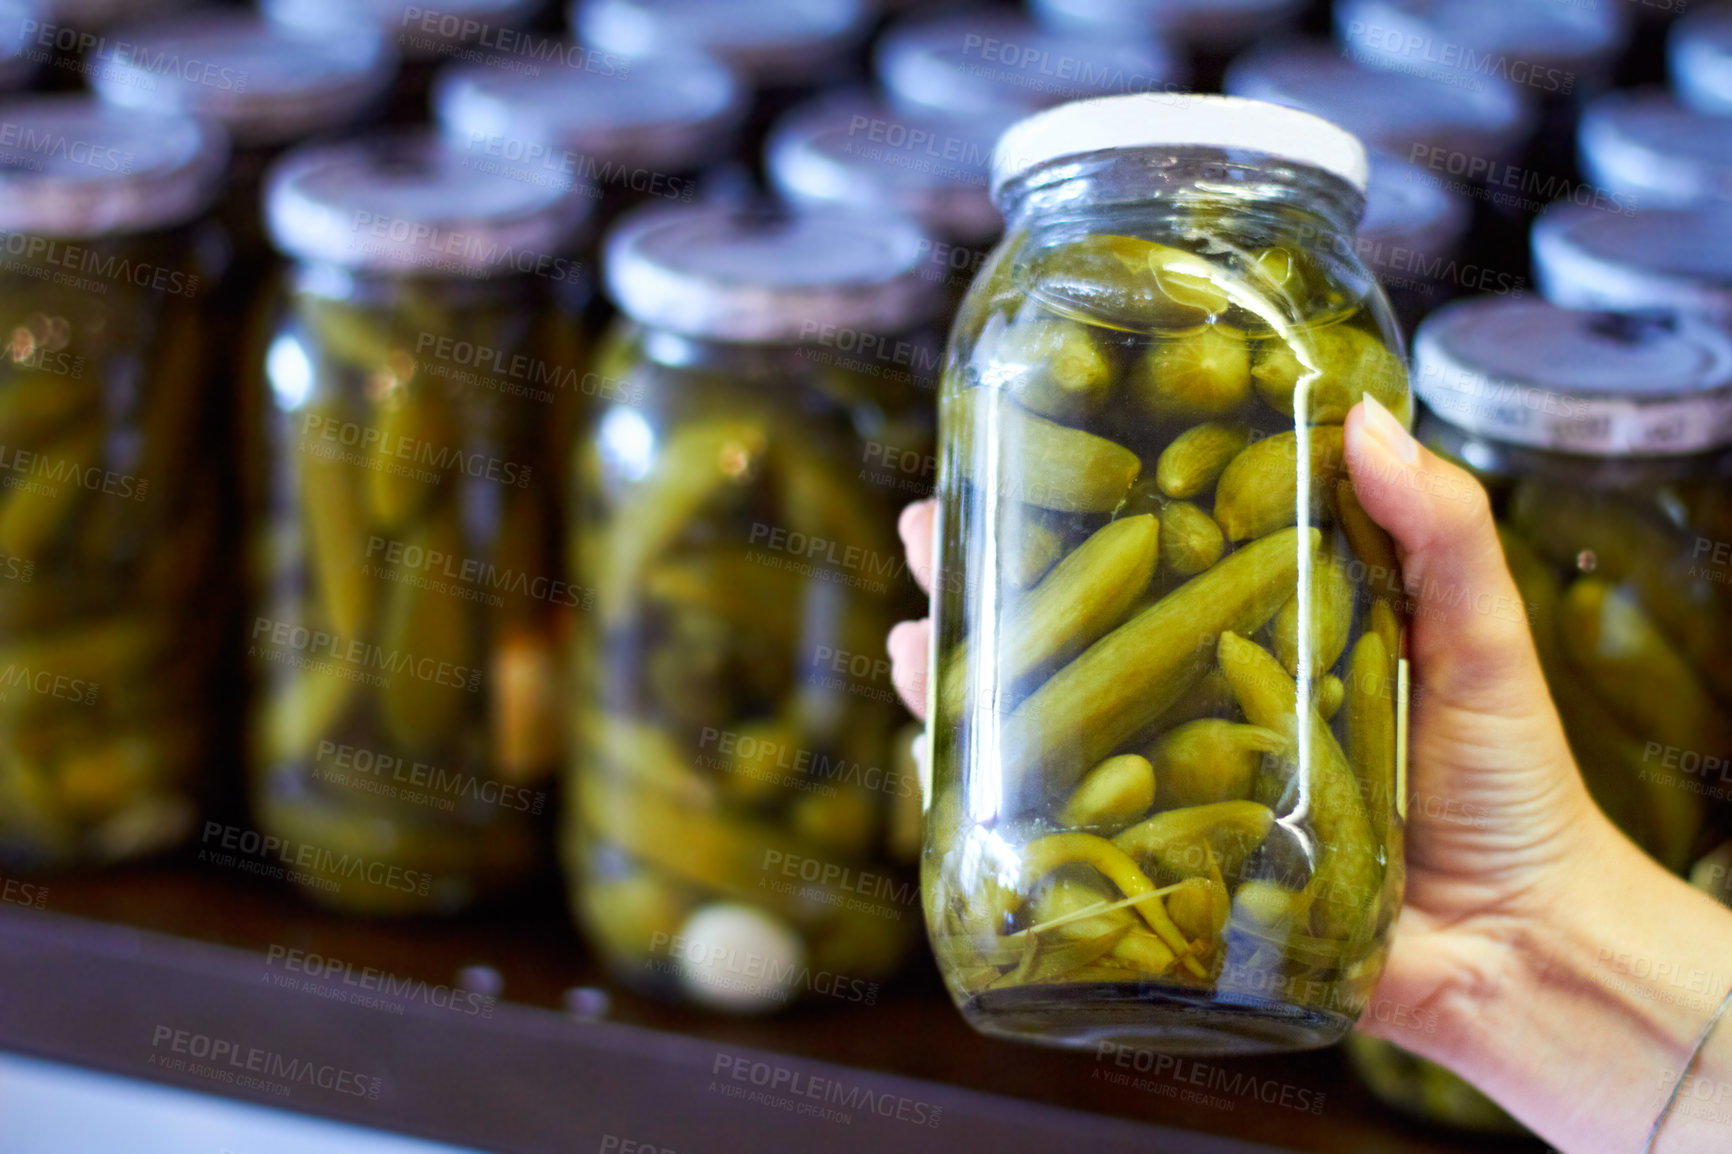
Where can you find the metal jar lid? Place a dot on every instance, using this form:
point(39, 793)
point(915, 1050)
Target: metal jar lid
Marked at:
point(988, 64)
point(20, 31)
point(1678, 260)
point(1204, 23)
point(1553, 48)
point(1402, 113)
point(717, 274)
point(407, 204)
point(95, 15)
point(417, 31)
point(1647, 146)
point(1527, 372)
point(1700, 54)
point(770, 41)
point(73, 167)
point(265, 83)
point(857, 153)
point(669, 114)
point(1408, 214)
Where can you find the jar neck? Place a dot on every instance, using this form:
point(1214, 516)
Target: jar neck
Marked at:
point(1216, 190)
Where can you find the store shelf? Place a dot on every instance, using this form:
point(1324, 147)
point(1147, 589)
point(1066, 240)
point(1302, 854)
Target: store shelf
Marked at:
point(110, 968)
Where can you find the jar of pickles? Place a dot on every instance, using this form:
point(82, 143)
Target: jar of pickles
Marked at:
point(109, 491)
point(742, 821)
point(1166, 694)
point(1605, 440)
point(422, 369)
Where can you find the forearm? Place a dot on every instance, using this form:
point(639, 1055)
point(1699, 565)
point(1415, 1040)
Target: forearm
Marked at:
point(1594, 1010)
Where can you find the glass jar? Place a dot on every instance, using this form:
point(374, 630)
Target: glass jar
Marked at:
point(1000, 67)
point(1675, 260)
point(20, 23)
point(422, 371)
point(109, 507)
point(1655, 152)
point(268, 85)
point(1211, 31)
point(639, 134)
point(1167, 807)
point(1604, 440)
point(1700, 58)
point(740, 808)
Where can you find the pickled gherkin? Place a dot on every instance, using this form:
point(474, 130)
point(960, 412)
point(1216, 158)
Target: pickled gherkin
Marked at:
point(1164, 802)
point(746, 801)
point(114, 619)
point(408, 592)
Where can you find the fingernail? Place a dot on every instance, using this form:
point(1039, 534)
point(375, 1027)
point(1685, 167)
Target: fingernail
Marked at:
point(1387, 431)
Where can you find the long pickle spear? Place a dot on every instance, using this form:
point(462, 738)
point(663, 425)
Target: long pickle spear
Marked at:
point(1346, 873)
point(1043, 855)
point(1122, 683)
point(423, 704)
point(1331, 619)
point(1198, 840)
point(1083, 597)
point(1059, 468)
point(331, 504)
point(1370, 722)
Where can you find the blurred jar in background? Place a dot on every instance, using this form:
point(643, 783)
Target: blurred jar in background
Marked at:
point(1700, 59)
point(743, 823)
point(998, 67)
point(1676, 260)
point(1653, 152)
point(20, 24)
point(109, 480)
point(1210, 32)
point(70, 39)
point(422, 371)
point(1606, 442)
point(496, 32)
point(784, 49)
point(851, 151)
point(639, 134)
point(1410, 238)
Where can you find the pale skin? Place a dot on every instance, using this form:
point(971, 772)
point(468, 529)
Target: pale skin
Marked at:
point(1557, 967)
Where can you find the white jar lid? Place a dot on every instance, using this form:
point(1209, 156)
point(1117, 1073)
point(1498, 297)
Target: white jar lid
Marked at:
point(266, 83)
point(1408, 212)
point(1647, 147)
point(1205, 23)
point(77, 168)
point(670, 114)
point(857, 153)
point(997, 64)
point(417, 31)
point(1395, 111)
point(1673, 259)
point(1603, 383)
point(770, 41)
point(1173, 120)
point(1541, 44)
point(407, 204)
point(722, 275)
point(95, 15)
point(1700, 53)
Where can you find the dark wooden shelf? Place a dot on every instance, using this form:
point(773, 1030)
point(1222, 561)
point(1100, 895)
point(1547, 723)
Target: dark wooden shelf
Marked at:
point(111, 962)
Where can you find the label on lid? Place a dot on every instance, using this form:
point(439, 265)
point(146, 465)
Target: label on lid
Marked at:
point(1577, 381)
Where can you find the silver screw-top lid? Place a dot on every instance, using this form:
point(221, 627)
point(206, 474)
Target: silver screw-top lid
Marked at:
point(1674, 259)
point(266, 83)
point(854, 152)
point(1700, 54)
point(1415, 117)
point(407, 204)
point(420, 31)
point(77, 168)
point(95, 15)
point(1647, 147)
point(724, 275)
point(1577, 381)
point(1551, 47)
point(1409, 215)
point(668, 114)
point(20, 27)
point(993, 65)
point(770, 41)
point(1211, 24)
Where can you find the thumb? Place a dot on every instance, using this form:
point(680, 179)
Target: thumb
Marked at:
point(1470, 640)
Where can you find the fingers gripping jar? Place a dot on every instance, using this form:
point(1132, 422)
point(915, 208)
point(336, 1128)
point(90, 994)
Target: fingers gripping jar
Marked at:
point(739, 812)
point(422, 370)
point(110, 519)
point(1165, 692)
